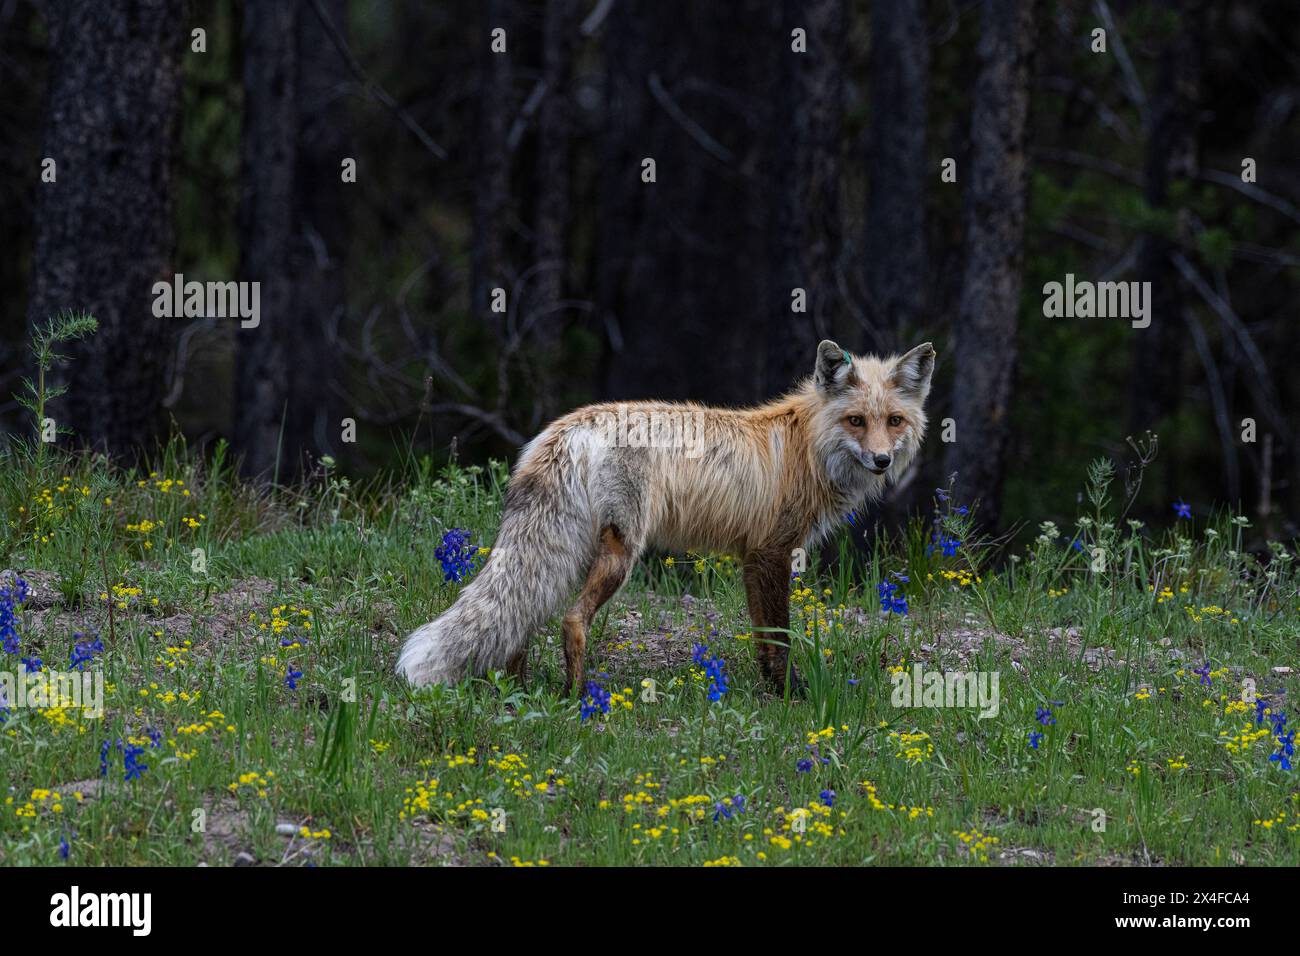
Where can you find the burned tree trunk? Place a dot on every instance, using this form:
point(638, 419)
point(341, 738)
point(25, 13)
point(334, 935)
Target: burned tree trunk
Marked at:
point(894, 245)
point(292, 233)
point(679, 254)
point(270, 144)
point(1171, 156)
point(984, 347)
point(104, 232)
point(488, 265)
point(543, 315)
point(804, 173)
point(319, 250)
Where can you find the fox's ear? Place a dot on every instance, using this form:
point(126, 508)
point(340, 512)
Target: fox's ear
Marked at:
point(834, 367)
point(912, 372)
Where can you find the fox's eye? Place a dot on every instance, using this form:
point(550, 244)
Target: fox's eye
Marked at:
point(856, 421)
point(895, 421)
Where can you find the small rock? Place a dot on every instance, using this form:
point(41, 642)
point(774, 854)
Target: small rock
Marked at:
point(1281, 671)
point(244, 858)
point(286, 829)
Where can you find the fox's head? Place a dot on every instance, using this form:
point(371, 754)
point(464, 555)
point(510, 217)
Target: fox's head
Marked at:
point(871, 411)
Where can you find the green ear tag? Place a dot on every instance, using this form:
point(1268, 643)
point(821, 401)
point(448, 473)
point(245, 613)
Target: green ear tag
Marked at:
point(847, 360)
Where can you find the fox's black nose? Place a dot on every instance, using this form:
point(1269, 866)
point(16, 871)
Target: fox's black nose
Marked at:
point(882, 461)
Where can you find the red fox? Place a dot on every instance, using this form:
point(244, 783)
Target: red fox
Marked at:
point(602, 484)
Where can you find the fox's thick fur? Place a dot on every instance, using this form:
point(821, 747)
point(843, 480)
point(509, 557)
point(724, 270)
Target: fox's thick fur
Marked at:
point(757, 483)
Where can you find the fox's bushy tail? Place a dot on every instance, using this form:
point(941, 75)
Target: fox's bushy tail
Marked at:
point(542, 551)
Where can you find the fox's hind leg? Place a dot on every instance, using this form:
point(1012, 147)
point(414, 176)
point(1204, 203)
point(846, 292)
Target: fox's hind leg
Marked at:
point(767, 591)
point(614, 559)
point(518, 666)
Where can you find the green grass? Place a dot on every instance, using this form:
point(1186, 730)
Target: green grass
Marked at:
point(1135, 768)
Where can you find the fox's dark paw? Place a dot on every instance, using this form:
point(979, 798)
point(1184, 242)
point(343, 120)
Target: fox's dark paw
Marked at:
point(778, 681)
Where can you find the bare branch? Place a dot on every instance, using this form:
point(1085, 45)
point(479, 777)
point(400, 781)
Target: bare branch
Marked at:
point(1261, 383)
point(596, 17)
point(692, 128)
point(1262, 196)
point(1219, 400)
point(1109, 167)
point(372, 88)
point(1131, 81)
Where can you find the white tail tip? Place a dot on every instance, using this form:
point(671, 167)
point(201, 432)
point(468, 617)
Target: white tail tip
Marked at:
point(422, 660)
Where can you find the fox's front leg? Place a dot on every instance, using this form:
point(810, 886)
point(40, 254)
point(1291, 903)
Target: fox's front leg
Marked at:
point(767, 591)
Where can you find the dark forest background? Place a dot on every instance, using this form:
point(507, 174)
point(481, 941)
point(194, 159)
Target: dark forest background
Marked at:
point(774, 170)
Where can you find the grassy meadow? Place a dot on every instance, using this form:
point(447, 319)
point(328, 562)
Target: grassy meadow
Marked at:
point(246, 638)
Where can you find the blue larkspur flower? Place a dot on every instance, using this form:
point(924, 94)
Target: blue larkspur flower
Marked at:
point(1284, 741)
point(1261, 705)
point(291, 679)
point(892, 599)
point(1182, 508)
point(1044, 716)
point(595, 701)
point(827, 797)
point(12, 595)
point(726, 809)
point(816, 752)
point(456, 555)
point(715, 669)
point(803, 766)
point(83, 651)
point(943, 542)
point(104, 748)
point(132, 768)
point(1035, 738)
point(131, 762)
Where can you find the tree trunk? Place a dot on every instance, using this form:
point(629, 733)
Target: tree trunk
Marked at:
point(897, 171)
point(319, 251)
point(104, 231)
point(270, 151)
point(896, 269)
point(984, 347)
point(543, 315)
point(492, 187)
point(804, 165)
point(1156, 388)
point(678, 292)
point(293, 234)
point(23, 61)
